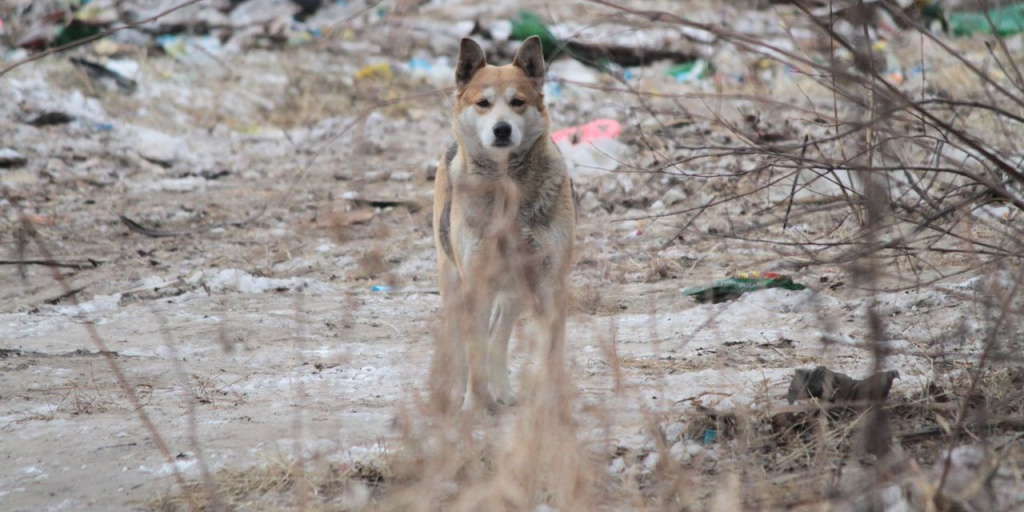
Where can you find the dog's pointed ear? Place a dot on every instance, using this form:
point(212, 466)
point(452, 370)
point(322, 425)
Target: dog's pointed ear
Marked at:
point(530, 59)
point(471, 59)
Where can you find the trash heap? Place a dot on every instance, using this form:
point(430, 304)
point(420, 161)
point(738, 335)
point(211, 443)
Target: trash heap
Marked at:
point(593, 67)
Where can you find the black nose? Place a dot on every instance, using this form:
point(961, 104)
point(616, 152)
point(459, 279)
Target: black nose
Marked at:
point(502, 130)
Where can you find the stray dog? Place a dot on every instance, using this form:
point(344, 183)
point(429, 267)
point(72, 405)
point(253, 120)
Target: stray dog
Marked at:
point(835, 387)
point(504, 223)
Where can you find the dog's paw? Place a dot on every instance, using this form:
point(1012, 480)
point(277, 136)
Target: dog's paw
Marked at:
point(508, 399)
point(472, 402)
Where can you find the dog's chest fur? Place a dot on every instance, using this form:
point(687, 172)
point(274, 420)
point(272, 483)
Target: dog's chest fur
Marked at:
point(539, 188)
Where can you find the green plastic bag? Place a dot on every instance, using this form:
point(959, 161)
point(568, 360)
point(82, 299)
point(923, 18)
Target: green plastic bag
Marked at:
point(691, 71)
point(529, 24)
point(1008, 21)
point(732, 287)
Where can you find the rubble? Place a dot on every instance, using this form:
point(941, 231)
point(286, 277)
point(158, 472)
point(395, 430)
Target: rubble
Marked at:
point(256, 178)
point(10, 158)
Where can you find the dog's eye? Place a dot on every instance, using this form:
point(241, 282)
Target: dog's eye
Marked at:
point(516, 102)
point(483, 103)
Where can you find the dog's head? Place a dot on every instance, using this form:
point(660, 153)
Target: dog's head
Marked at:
point(500, 108)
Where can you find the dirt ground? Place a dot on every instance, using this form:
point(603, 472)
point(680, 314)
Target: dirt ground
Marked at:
point(289, 189)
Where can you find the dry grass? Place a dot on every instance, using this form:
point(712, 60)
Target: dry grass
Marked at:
point(519, 461)
point(551, 452)
point(276, 486)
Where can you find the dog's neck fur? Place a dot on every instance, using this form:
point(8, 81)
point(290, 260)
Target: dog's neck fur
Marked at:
point(482, 163)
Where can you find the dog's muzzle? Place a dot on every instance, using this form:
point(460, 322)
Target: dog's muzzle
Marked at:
point(502, 135)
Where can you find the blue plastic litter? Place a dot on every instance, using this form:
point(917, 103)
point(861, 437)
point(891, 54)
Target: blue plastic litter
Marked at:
point(710, 435)
point(420, 64)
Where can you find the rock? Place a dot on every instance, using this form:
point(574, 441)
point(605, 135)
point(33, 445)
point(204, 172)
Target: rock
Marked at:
point(589, 202)
point(10, 158)
point(18, 178)
point(686, 450)
point(130, 36)
point(651, 461)
point(971, 469)
point(165, 352)
point(186, 184)
point(259, 12)
point(674, 432)
point(673, 196)
point(617, 466)
point(158, 147)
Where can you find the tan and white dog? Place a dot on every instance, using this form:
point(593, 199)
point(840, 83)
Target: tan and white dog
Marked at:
point(504, 223)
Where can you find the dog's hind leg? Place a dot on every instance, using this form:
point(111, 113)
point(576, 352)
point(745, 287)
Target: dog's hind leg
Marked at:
point(503, 319)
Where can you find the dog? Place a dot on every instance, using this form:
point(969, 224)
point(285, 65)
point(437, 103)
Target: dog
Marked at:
point(504, 223)
point(835, 387)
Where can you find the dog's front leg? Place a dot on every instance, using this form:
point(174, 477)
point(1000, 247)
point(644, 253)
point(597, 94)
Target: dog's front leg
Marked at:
point(451, 351)
point(477, 302)
point(503, 319)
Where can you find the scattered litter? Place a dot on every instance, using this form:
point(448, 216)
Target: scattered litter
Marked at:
point(50, 118)
point(10, 158)
point(606, 50)
point(244, 282)
point(710, 435)
point(590, 132)
point(38, 35)
point(572, 71)
point(262, 12)
point(732, 287)
point(301, 37)
point(384, 202)
point(691, 71)
point(128, 68)
point(106, 47)
point(380, 71)
point(1007, 20)
point(598, 157)
point(200, 51)
point(420, 65)
point(382, 288)
point(104, 74)
point(437, 70)
point(76, 30)
point(528, 24)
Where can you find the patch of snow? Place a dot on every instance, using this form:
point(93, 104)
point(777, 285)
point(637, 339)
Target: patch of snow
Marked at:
point(244, 282)
point(98, 303)
point(181, 465)
point(186, 184)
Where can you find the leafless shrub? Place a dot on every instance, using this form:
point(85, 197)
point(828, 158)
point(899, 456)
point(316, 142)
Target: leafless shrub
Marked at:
point(901, 179)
